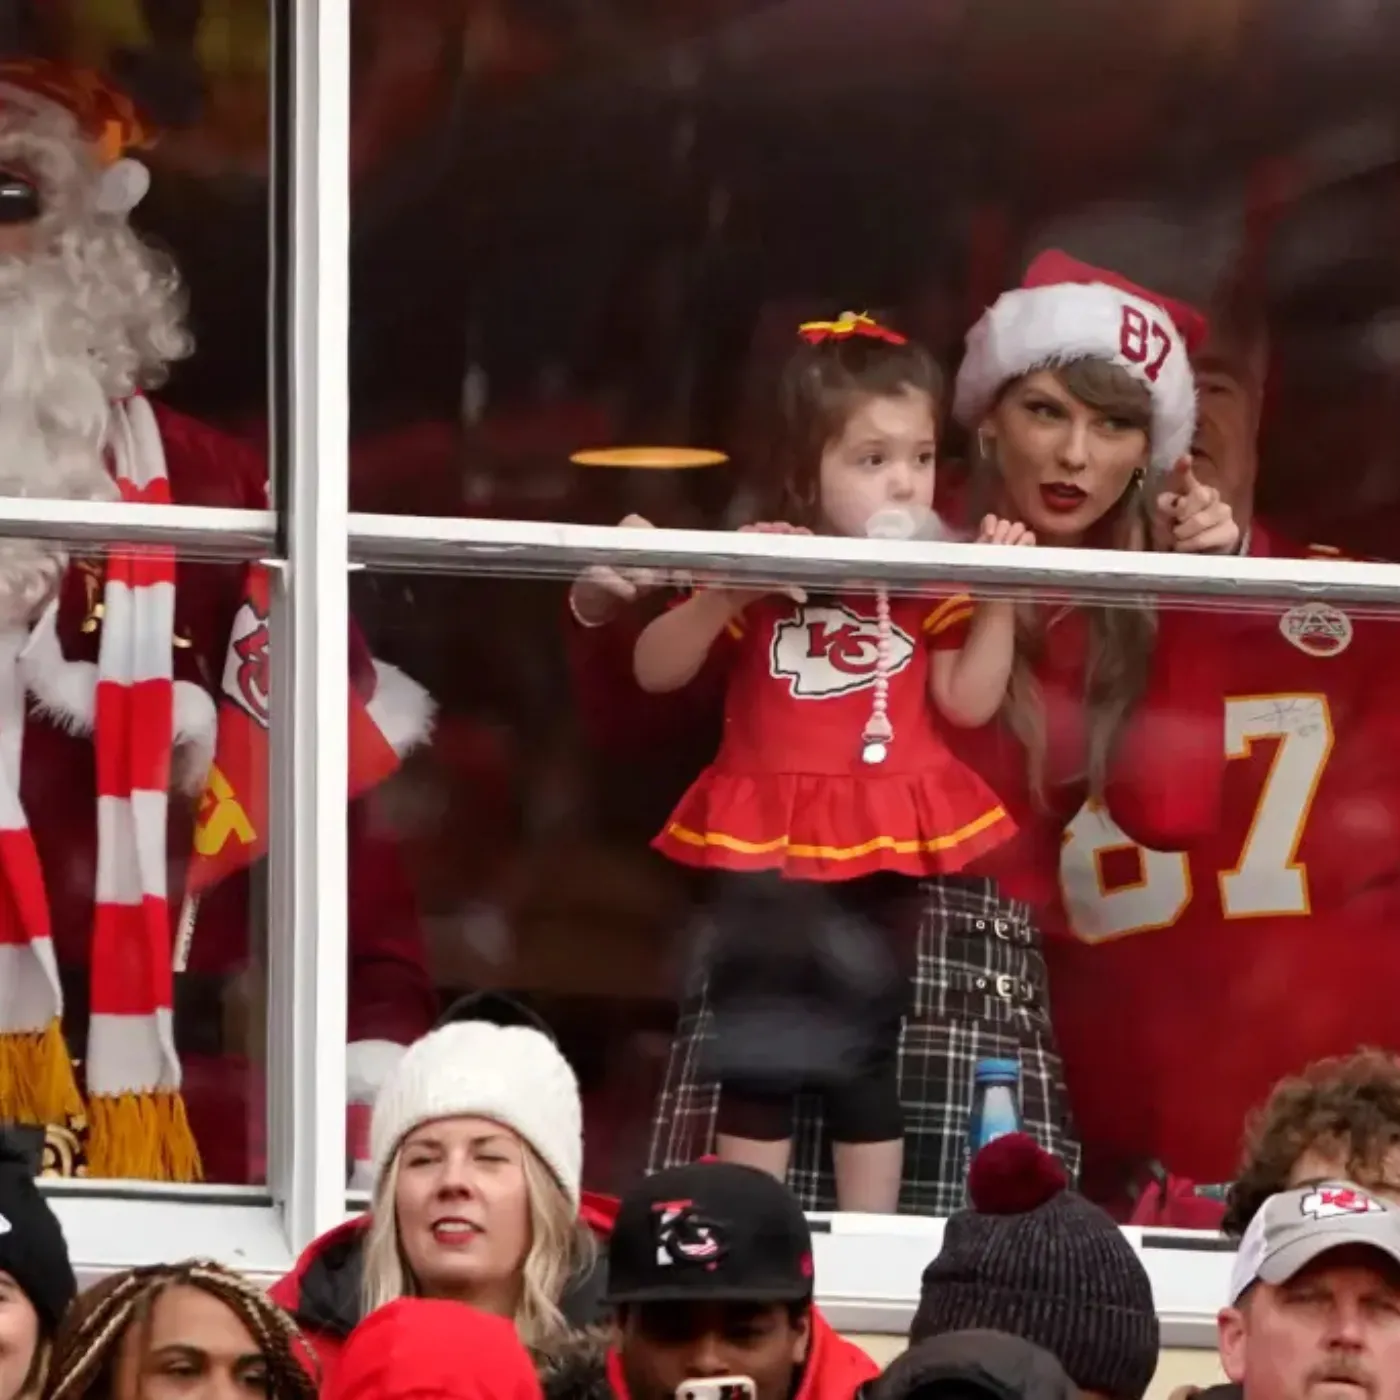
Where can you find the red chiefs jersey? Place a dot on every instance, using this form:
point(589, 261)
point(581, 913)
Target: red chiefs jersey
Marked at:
point(1185, 985)
point(789, 789)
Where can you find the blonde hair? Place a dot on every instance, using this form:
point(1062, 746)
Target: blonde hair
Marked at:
point(560, 1247)
point(1121, 637)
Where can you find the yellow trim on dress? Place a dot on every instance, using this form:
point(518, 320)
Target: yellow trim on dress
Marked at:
point(804, 852)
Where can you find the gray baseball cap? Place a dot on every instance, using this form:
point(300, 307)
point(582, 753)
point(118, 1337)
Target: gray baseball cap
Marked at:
point(1295, 1227)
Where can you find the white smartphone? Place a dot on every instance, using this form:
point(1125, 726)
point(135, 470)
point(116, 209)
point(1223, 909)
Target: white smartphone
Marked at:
point(717, 1388)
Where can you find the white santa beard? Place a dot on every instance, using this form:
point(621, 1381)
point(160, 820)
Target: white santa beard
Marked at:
point(54, 416)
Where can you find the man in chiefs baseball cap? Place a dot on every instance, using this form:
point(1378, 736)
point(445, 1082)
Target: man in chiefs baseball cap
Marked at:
point(1315, 1296)
point(710, 1274)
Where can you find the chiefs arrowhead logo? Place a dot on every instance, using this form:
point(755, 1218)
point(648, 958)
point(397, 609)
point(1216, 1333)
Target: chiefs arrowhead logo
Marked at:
point(1317, 629)
point(825, 651)
point(684, 1236)
point(247, 669)
point(1328, 1202)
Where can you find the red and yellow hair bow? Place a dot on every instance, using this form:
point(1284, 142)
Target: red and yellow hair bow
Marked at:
point(846, 325)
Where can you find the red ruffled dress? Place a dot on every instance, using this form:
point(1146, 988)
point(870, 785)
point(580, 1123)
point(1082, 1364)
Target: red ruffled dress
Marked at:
point(789, 789)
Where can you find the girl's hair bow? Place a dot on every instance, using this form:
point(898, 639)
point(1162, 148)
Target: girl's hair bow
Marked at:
point(849, 323)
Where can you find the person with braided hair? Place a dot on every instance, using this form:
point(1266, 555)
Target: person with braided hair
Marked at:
point(195, 1330)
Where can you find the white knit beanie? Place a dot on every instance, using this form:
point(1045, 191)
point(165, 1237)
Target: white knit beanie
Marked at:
point(513, 1075)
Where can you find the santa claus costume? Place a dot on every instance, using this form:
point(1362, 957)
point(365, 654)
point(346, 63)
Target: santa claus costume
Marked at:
point(109, 672)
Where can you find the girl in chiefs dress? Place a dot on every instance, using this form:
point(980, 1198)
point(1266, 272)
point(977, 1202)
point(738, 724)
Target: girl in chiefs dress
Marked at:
point(834, 792)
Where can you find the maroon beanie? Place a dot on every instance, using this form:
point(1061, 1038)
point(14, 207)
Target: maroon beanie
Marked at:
point(1033, 1259)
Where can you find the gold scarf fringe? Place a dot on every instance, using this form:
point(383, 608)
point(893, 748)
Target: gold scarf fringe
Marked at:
point(144, 1137)
point(37, 1084)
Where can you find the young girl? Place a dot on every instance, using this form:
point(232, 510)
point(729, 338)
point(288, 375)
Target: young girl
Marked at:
point(833, 792)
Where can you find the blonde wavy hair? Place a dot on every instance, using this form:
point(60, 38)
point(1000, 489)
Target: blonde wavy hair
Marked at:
point(1122, 636)
point(560, 1248)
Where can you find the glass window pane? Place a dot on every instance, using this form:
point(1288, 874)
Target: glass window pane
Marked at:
point(134, 160)
point(156, 182)
point(1092, 907)
point(616, 232)
point(135, 787)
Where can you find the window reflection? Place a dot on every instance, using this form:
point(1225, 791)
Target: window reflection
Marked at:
point(1137, 959)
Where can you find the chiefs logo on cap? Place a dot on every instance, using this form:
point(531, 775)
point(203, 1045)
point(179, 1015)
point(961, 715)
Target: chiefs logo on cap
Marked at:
point(1328, 1202)
point(684, 1236)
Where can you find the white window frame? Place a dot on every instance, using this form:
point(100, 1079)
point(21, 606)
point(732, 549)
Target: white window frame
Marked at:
point(868, 1268)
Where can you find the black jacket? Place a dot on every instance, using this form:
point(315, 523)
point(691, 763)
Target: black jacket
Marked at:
point(973, 1365)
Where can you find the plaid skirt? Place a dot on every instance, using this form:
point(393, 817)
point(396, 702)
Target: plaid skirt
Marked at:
point(979, 993)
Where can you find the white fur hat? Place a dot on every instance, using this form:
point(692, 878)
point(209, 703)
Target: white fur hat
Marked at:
point(513, 1075)
point(1067, 310)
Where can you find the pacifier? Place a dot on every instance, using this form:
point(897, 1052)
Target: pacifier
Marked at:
point(897, 522)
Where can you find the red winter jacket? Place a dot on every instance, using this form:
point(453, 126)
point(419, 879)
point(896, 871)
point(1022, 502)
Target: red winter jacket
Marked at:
point(425, 1349)
point(835, 1368)
point(323, 1289)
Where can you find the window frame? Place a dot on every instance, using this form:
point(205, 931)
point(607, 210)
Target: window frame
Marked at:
point(868, 1268)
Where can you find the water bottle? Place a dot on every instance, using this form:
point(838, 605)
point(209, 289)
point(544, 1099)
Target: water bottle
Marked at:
point(996, 1103)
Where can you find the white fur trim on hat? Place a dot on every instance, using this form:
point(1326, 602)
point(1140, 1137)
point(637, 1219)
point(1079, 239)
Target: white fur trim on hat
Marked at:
point(513, 1075)
point(368, 1066)
point(401, 708)
point(1033, 328)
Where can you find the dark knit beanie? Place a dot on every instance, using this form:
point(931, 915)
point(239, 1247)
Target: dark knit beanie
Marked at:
point(1036, 1260)
point(32, 1248)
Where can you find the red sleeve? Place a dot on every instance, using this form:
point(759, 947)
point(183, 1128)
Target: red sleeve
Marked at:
point(614, 711)
point(1165, 784)
point(945, 627)
point(208, 467)
point(391, 992)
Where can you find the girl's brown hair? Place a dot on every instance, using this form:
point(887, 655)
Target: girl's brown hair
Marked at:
point(819, 387)
point(1120, 638)
point(90, 1335)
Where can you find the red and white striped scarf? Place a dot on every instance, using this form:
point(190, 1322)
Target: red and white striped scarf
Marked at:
point(136, 1117)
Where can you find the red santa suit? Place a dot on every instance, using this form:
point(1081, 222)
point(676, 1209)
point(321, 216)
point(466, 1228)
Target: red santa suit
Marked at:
point(108, 720)
point(789, 789)
point(1186, 985)
point(392, 1000)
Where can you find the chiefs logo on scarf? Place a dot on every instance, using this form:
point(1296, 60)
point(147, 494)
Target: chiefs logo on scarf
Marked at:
point(231, 831)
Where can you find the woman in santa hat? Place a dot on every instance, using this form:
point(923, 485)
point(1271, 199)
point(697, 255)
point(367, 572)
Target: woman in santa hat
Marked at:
point(1077, 391)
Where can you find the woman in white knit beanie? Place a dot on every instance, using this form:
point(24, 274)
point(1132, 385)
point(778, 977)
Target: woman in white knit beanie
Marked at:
point(476, 1144)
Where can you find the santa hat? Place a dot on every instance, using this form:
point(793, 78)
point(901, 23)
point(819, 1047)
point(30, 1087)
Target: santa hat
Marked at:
point(1066, 310)
point(86, 106)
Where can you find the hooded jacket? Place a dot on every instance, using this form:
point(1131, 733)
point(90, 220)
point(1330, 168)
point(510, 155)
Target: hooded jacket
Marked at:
point(323, 1290)
point(425, 1349)
point(589, 1368)
point(991, 1364)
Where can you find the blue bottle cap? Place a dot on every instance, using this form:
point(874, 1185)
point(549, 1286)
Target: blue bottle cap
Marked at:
point(997, 1071)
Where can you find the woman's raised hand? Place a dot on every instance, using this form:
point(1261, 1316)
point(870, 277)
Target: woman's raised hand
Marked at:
point(1192, 518)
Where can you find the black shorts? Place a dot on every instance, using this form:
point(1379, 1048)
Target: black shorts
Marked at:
point(809, 984)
